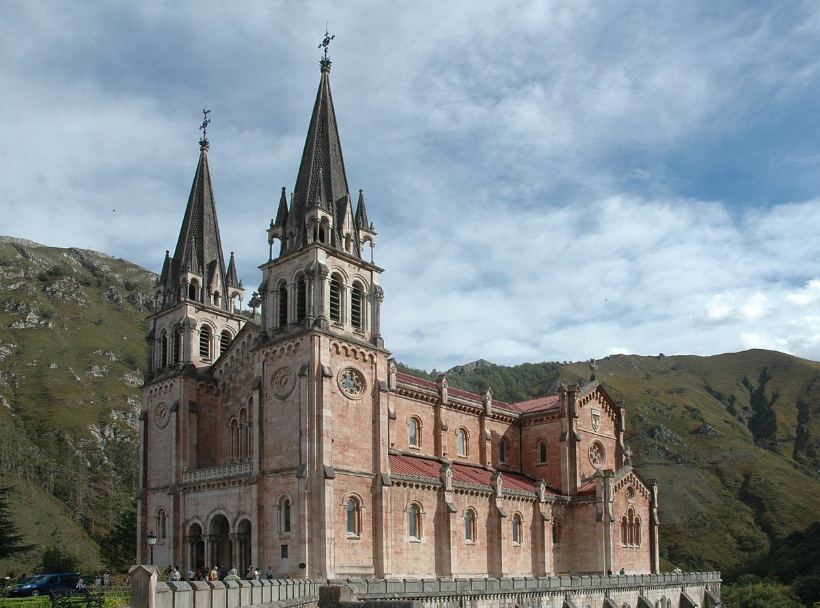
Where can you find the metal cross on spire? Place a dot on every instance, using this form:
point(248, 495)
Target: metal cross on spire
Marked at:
point(203, 143)
point(325, 61)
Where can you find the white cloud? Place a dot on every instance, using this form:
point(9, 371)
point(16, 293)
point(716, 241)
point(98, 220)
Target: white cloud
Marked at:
point(520, 161)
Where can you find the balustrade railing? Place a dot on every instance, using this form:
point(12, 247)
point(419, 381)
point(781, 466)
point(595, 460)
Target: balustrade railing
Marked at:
point(220, 472)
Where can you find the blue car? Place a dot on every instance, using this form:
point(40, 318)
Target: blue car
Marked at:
point(43, 584)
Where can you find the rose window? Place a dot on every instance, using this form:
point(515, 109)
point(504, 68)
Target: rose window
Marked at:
point(630, 493)
point(352, 383)
point(596, 454)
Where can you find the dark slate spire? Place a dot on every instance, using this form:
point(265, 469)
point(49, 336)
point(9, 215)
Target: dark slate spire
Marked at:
point(199, 247)
point(166, 268)
point(361, 213)
point(322, 171)
point(232, 280)
point(282, 213)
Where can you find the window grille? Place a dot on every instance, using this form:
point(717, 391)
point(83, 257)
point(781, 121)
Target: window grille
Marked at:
point(335, 299)
point(205, 342)
point(283, 305)
point(301, 299)
point(224, 341)
point(356, 306)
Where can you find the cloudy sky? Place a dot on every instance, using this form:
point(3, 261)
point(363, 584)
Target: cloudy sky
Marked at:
point(550, 181)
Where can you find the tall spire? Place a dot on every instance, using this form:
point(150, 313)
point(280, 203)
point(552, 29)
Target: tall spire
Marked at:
point(232, 279)
point(322, 170)
point(361, 213)
point(199, 246)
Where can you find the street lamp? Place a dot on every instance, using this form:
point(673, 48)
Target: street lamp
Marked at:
point(152, 540)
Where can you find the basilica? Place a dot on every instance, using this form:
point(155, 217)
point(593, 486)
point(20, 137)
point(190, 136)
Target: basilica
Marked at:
point(288, 438)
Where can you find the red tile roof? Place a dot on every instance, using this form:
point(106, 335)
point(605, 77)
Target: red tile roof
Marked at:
point(456, 392)
point(403, 464)
point(547, 402)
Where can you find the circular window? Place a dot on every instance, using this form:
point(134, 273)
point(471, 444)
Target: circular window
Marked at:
point(281, 382)
point(352, 383)
point(162, 415)
point(630, 493)
point(596, 454)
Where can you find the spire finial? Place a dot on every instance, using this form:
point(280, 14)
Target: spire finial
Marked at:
point(325, 61)
point(203, 143)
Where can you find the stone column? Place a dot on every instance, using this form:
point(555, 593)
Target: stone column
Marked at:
point(654, 545)
point(375, 326)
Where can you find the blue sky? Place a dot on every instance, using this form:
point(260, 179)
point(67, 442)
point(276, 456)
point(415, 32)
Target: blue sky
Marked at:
point(550, 181)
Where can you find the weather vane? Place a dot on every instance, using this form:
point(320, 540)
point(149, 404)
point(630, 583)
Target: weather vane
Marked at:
point(325, 61)
point(204, 127)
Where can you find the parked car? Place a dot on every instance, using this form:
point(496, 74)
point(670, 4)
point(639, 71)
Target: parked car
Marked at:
point(42, 584)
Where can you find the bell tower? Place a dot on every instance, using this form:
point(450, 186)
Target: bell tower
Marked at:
point(321, 272)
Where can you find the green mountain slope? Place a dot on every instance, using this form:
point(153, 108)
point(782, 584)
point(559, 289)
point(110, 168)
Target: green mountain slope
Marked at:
point(733, 440)
point(72, 345)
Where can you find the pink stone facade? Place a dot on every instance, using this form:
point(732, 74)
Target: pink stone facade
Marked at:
point(300, 445)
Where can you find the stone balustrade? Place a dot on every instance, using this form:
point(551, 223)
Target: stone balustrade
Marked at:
point(695, 589)
point(220, 472)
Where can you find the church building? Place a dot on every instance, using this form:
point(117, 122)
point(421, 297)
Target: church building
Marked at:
point(289, 438)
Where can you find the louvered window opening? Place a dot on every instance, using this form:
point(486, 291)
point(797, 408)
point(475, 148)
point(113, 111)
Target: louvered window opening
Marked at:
point(224, 341)
point(205, 343)
point(356, 306)
point(301, 299)
point(283, 306)
point(177, 344)
point(164, 347)
point(335, 300)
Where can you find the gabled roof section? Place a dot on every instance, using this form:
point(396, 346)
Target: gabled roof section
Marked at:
point(199, 245)
point(321, 178)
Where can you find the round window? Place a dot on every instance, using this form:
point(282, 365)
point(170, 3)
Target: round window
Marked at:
point(596, 454)
point(352, 383)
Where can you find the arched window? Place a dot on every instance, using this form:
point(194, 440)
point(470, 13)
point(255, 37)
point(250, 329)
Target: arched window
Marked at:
point(413, 433)
point(224, 340)
point(636, 535)
point(461, 442)
point(414, 522)
point(624, 530)
point(517, 535)
point(541, 450)
point(469, 526)
point(284, 516)
point(557, 531)
point(162, 530)
point(353, 515)
point(336, 298)
point(193, 287)
point(502, 450)
point(163, 344)
point(631, 529)
point(301, 299)
point(205, 342)
point(283, 304)
point(244, 435)
point(356, 305)
point(234, 439)
point(177, 344)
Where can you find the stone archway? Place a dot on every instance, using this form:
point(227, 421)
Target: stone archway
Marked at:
point(243, 546)
point(196, 547)
point(221, 554)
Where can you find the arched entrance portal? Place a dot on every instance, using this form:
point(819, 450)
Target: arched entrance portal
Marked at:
point(243, 541)
point(196, 547)
point(221, 555)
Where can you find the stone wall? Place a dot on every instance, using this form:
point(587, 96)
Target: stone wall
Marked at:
point(691, 589)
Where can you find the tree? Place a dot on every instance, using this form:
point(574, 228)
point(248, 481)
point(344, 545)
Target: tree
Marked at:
point(10, 541)
point(119, 547)
point(55, 559)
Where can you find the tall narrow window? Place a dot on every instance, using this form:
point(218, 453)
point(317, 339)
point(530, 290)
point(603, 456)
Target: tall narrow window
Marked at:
point(624, 530)
point(356, 300)
point(517, 536)
point(161, 524)
point(542, 452)
point(244, 435)
point(414, 522)
point(336, 299)
point(636, 535)
point(502, 450)
point(205, 342)
point(461, 442)
point(469, 526)
point(557, 531)
point(234, 439)
point(216, 298)
point(283, 304)
point(163, 344)
point(301, 299)
point(224, 341)
point(352, 511)
point(285, 509)
point(192, 290)
point(177, 344)
point(413, 433)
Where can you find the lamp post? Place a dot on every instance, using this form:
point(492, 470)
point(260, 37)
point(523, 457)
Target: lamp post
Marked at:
point(152, 540)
